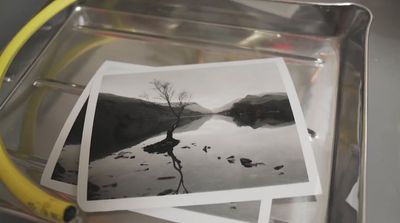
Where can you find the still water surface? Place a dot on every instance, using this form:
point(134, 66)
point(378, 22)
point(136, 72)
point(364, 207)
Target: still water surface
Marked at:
point(209, 151)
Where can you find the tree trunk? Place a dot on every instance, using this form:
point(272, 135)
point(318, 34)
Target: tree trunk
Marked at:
point(170, 134)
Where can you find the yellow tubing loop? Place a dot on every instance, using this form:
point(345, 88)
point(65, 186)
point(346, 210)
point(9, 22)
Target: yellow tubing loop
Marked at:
point(38, 201)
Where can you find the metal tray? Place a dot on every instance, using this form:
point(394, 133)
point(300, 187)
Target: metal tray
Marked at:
point(324, 46)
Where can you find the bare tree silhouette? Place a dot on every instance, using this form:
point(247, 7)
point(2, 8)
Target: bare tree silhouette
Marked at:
point(166, 92)
point(176, 104)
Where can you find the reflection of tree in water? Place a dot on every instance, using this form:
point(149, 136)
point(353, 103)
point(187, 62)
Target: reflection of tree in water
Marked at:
point(166, 92)
point(167, 146)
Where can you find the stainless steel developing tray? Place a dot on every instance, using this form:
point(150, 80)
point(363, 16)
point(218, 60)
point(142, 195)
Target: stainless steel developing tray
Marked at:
point(324, 46)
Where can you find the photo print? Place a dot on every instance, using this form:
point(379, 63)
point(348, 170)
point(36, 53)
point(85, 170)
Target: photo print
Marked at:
point(194, 134)
point(61, 170)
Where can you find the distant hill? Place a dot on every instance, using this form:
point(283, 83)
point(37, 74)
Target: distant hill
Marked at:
point(260, 110)
point(259, 99)
point(193, 106)
point(198, 108)
point(226, 106)
point(122, 122)
point(252, 99)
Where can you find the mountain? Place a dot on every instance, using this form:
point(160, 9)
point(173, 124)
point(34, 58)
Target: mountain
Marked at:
point(198, 108)
point(261, 110)
point(259, 99)
point(226, 106)
point(252, 99)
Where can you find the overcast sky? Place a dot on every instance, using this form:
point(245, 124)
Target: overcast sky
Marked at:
point(210, 87)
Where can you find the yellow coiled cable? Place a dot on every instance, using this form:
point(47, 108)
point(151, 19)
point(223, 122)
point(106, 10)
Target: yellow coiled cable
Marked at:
point(38, 201)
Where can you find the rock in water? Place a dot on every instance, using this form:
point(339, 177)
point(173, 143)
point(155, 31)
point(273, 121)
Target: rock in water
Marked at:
point(166, 178)
point(278, 167)
point(249, 163)
point(165, 192)
point(246, 162)
point(231, 159)
point(143, 170)
point(120, 156)
point(93, 187)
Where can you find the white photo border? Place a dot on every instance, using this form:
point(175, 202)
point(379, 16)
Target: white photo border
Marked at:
point(181, 215)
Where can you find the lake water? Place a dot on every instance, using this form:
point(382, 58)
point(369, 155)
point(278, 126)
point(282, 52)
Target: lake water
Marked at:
point(205, 153)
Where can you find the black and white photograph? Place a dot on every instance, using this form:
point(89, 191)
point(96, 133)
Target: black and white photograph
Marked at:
point(66, 168)
point(196, 141)
point(61, 171)
point(181, 135)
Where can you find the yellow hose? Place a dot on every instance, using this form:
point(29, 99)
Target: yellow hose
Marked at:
point(37, 200)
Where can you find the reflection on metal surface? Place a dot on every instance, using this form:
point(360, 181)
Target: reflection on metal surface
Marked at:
point(29, 53)
point(35, 100)
point(60, 85)
point(6, 209)
point(323, 46)
point(7, 79)
point(109, 31)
